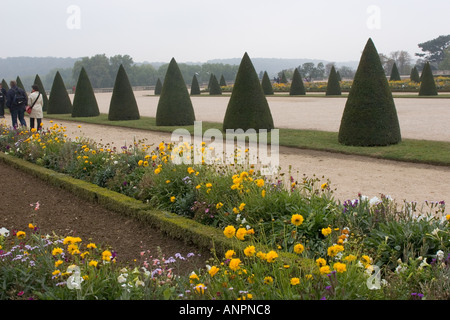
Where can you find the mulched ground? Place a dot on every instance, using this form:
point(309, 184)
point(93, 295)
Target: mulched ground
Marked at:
point(65, 214)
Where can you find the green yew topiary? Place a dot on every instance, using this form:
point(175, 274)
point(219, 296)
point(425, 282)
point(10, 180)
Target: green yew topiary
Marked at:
point(338, 76)
point(333, 85)
point(267, 85)
point(297, 86)
point(248, 107)
point(59, 101)
point(222, 82)
point(175, 106)
point(283, 78)
point(395, 75)
point(123, 105)
point(38, 82)
point(428, 86)
point(214, 86)
point(20, 84)
point(84, 102)
point(158, 87)
point(415, 77)
point(195, 87)
point(5, 85)
point(370, 117)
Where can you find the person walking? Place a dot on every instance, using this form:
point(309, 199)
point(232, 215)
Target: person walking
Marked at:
point(3, 94)
point(36, 102)
point(16, 101)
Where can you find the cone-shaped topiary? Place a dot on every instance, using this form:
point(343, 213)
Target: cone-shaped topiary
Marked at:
point(297, 86)
point(175, 106)
point(248, 107)
point(5, 85)
point(370, 117)
point(38, 82)
point(338, 76)
point(214, 86)
point(283, 78)
point(267, 85)
point(59, 101)
point(158, 87)
point(395, 75)
point(20, 84)
point(222, 82)
point(123, 105)
point(195, 87)
point(84, 102)
point(333, 86)
point(415, 77)
point(428, 86)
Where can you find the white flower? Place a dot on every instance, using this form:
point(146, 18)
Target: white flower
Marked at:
point(435, 232)
point(122, 278)
point(374, 201)
point(400, 269)
point(139, 283)
point(423, 264)
point(364, 198)
point(4, 232)
point(440, 255)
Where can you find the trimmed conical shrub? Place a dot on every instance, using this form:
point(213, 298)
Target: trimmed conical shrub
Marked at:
point(20, 84)
point(59, 101)
point(123, 104)
point(5, 85)
point(333, 86)
point(267, 85)
point(175, 105)
point(248, 107)
point(415, 77)
point(158, 87)
point(214, 86)
point(370, 117)
point(38, 82)
point(195, 87)
point(395, 75)
point(222, 81)
point(84, 102)
point(283, 78)
point(338, 76)
point(428, 86)
point(297, 86)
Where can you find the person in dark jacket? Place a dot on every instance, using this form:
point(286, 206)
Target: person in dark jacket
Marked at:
point(3, 94)
point(16, 101)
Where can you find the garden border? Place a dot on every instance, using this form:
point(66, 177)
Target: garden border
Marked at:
point(173, 225)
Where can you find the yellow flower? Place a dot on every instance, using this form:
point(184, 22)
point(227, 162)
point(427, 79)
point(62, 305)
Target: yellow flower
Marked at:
point(235, 264)
point(91, 246)
point(298, 248)
point(58, 263)
point(326, 231)
point(271, 256)
point(366, 260)
point(324, 186)
point(219, 205)
point(93, 263)
point(145, 164)
point(56, 272)
point(193, 277)
point(334, 250)
point(212, 272)
point(21, 235)
point(261, 255)
point(321, 262)
point(209, 185)
point(200, 288)
point(242, 207)
point(350, 258)
point(340, 267)
point(235, 210)
point(268, 280)
point(172, 199)
point(295, 281)
point(309, 277)
point(447, 217)
point(260, 182)
point(297, 220)
point(229, 254)
point(84, 254)
point(56, 251)
point(240, 234)
point(157, 170)
point(140, 163)
point(106, 255)
point(229, 231)
point(73, 249)
point(263, 193)
point(250, 251)
point(325, 270)
point(167, 181)
point(190, 170)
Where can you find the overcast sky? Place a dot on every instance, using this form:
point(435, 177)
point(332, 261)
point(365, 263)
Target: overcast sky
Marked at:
point(199, 30)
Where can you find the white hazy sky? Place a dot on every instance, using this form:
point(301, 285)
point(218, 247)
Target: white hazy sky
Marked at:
point(199, 30)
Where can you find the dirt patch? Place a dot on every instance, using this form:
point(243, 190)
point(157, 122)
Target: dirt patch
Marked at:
point(65, 214)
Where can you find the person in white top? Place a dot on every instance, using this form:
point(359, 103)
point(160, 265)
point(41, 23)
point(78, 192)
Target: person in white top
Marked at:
point(36, 113)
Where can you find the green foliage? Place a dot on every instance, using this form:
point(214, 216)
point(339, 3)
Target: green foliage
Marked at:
point(222, 82)
point(395, 75)
point(267, 85)
point(123, 104)
point(297, 86)
point(428, 85)
point(248, 107)
point(283, 78)
point(20, 84)
point(59, 100)
point(174, 106)
point(214, 86)
point(333, 85)
point(158, 87)
point(38, 82)
point(415, 77)
point(338, 74)
point(195, 87)
point(5, 85)
point(370, 117)
point(84, 102)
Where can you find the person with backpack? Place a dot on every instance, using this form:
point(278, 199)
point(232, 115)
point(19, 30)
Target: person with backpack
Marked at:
point(16, 101)
point(3, 94)
point(35, 103)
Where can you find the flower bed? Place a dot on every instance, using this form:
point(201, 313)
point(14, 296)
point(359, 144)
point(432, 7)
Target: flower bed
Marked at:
point(337, 248)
